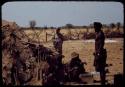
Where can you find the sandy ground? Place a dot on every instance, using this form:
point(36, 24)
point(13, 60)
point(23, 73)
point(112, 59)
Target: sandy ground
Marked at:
point(86, 48)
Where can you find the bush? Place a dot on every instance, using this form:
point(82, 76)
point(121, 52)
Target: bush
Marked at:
point(114, 34)
point(89, 35)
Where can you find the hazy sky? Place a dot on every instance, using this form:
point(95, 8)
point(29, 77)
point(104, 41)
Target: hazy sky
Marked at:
point(60, 13)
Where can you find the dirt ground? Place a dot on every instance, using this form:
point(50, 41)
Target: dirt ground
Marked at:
point(86, 49)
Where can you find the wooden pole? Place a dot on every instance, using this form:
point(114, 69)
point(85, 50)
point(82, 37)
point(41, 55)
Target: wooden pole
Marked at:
point(46, 36)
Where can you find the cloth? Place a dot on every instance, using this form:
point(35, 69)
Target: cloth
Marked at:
point(58, 41)
point(100, 60)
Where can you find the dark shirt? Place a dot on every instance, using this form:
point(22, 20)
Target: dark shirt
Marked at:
point(99, 42)
point(58, 40)
point(75, 62)
point(60, 36)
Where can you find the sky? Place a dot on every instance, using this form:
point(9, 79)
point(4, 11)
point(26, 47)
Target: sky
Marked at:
point(53, 13)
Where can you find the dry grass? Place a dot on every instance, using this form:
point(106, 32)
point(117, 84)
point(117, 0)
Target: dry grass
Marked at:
point(86, 49)
point(42, 32)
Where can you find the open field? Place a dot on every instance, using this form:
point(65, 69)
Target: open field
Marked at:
point(86, 49)
point(45, 35)
point(17, 56)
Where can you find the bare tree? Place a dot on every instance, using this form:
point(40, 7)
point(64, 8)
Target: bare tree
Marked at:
point(112, 25)
point(69, 25)
point(118, 25)
point(32, 23)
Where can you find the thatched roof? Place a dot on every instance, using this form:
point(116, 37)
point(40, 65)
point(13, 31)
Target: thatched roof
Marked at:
point(11, 24)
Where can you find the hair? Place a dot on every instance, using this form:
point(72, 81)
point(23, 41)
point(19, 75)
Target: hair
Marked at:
point(98, 24)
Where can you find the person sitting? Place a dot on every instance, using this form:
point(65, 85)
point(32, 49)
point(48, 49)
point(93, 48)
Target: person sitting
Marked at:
point(76, 66)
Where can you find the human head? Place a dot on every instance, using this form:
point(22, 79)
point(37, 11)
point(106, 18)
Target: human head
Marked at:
point(97, 26)
point(58, 30)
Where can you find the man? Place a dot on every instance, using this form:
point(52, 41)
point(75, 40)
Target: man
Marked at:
point(100, 52)
point(58, 41)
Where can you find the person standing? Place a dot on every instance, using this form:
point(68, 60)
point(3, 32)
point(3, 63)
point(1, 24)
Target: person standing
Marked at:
point(100, 52)
point(58, 41)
